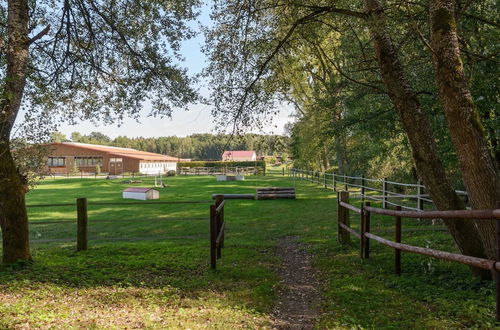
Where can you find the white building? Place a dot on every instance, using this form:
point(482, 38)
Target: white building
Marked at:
point(141, 193)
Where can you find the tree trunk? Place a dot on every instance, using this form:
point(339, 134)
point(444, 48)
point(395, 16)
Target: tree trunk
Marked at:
point(13, 216)
point(479, 171)
point(13, 187)
point(340, 151)
point(420, 136)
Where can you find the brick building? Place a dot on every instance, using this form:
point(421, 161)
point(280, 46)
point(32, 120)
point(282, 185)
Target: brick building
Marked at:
point(65, 156)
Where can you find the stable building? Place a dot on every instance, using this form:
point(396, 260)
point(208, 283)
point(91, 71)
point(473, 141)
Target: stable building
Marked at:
point(66, 156)
point(239, 156)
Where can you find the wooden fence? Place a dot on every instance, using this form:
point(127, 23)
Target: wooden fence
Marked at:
point(221, 170)
point(388, 191)
point(102, 175)
point(272, 171)
point(217, 228)
point(217, 223)
point(344, 230)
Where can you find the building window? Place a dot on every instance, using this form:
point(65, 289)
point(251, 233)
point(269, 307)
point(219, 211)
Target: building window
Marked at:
point(88, 161)
point(56, 161)
point(116, 160)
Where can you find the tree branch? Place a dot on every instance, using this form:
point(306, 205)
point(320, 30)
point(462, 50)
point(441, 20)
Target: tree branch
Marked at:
point(39, 35)
point(264, 65)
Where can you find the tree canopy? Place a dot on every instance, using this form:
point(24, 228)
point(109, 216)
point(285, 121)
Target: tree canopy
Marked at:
point(320, 58)
point(82, 59)
point(349, 67)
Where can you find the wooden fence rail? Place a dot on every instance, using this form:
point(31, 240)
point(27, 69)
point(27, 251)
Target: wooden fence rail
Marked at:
point(217, 224)
point(244, 170)
point(384, 187)
point(344, 231)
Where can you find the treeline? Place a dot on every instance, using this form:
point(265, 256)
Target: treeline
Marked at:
point(195, 146)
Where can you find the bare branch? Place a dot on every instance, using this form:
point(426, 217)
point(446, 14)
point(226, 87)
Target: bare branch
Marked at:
point(39, 35)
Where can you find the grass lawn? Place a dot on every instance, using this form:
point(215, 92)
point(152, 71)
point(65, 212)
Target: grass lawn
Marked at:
point(148, 266)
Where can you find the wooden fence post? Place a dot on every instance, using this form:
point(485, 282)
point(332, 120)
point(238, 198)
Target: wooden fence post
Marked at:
point(81, 224)
point(366, 229)
point(334, 182)
point(345, 236)
point(420, 201)
point(324, 179)
point(213, 237)
point(345, 182)
point(219, 219)
point(339, 216)
point(384, 193)
point(397, 252)
point(497, 273)
point(362, 225)
point(222, 223)
point(420, 190)
point(362, 188)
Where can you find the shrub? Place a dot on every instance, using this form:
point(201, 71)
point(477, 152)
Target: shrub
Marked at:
point(171, 173)
point(221, 164)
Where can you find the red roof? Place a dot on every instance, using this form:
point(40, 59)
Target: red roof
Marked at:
point(138, 190)
point(238, 153)
point(122, 152)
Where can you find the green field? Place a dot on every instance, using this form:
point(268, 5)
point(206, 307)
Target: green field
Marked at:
point(148, 266)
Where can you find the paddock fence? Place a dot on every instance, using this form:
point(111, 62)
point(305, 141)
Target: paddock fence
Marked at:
point(388, 193)
point(344, 230)
point(274, 171)
point(221, 170)
point(78, 229)
point(102, 175)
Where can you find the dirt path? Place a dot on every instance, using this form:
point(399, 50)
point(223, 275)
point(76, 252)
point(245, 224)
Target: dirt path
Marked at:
point(297, 306)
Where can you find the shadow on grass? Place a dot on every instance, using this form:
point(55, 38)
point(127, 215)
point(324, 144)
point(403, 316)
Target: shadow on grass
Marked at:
point(180, 266)
point(148, 275)
point(430, 294)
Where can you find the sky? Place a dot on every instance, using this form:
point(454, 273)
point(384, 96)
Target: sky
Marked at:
point(197, 119)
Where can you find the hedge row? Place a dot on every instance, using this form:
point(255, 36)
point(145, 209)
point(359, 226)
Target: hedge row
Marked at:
point(259, 163)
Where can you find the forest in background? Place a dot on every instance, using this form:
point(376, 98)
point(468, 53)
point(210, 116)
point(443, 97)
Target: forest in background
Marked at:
point(195, 146)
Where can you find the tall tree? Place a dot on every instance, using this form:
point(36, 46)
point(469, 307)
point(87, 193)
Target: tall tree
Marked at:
point(253, 34)
point(479, 170)
point(82, 59)
point(420, 135)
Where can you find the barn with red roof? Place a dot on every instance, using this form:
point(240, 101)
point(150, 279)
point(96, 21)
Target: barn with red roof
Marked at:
point(239, 155)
